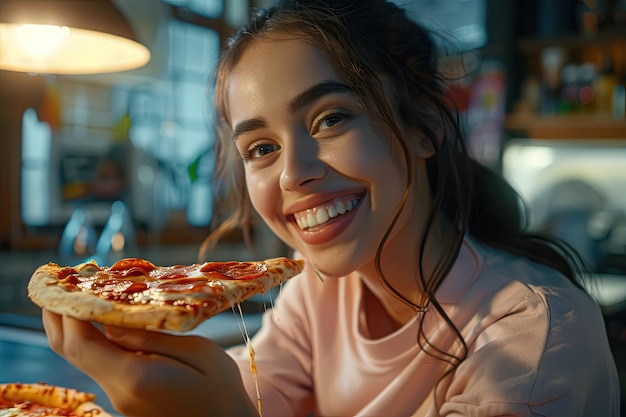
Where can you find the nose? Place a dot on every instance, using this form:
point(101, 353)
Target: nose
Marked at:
point(301, 163)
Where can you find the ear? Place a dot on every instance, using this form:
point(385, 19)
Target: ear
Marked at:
point(422, 145)
point(425, 148)
point(426, 142)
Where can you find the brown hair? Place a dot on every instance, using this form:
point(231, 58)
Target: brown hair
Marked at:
point(374, 44)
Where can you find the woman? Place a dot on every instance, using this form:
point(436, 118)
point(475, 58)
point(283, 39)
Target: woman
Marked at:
point(422, 295)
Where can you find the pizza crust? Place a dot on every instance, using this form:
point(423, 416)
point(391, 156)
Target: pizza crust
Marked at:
point(44, 291)
point(51, 396)
point(91, 409)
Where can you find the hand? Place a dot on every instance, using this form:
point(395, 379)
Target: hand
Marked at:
point(146, 373)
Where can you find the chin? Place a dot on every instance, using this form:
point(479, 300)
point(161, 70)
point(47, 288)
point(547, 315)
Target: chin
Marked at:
point(336, 267)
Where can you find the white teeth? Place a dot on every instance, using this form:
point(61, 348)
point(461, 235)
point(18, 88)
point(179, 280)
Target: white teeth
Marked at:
point(321, 215)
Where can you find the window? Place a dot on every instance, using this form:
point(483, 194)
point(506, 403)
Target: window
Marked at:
point(36, 144)
point(169, 137)
point(171, 124)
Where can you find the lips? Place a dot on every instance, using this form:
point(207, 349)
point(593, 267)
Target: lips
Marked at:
point(326, 211)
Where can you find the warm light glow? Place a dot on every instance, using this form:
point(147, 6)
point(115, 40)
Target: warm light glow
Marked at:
point(41, 39)
point(62, 50)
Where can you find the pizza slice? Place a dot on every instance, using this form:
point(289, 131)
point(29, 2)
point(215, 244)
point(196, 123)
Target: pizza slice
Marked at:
point(43, 400)
point(134, 292)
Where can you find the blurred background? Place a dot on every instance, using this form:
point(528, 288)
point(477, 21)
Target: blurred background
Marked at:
point(105, 162)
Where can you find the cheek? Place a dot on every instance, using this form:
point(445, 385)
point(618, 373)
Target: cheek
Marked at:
point(261, 192)
point(367, 157)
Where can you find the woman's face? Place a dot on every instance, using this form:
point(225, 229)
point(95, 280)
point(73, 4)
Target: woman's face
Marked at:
point(318, 172)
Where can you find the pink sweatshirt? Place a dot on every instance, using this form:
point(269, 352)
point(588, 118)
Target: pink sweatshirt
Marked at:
point(537, 347)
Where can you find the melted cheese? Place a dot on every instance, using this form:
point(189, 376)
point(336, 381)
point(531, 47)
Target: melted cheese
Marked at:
point(251, 353)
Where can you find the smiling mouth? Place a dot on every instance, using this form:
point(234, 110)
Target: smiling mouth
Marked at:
point(325, 212)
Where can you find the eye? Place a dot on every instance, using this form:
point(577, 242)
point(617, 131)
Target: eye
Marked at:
point(327, 121)
point(259, 150)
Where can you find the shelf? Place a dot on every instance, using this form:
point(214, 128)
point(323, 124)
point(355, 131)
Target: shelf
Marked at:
point(534, 45)
point(579, 126)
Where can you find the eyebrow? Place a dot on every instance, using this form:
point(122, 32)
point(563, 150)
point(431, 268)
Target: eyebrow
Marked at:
point(318, 90)
point(248, 125)
point(298, 102)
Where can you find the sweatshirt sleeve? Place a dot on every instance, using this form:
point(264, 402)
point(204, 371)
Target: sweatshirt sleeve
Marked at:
point(547, 357)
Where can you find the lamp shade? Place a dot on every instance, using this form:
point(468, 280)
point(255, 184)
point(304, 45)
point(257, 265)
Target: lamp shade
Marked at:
point(67, 37)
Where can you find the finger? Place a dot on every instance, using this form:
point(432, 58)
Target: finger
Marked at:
point(86, 347)
point(194, 351)
point(110, 365)
point(82, 345)
point(61, 340)
point(53, 328)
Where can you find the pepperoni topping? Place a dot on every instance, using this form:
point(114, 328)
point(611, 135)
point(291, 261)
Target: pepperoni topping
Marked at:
point(136, 287)
point(128, 279)
point(130, 263)
point(64, 272)
point(235, 270)
point(71, 280)
point(134, 271)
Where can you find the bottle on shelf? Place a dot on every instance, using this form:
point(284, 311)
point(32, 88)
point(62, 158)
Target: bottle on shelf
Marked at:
point(78, 240)
point(118, 235)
